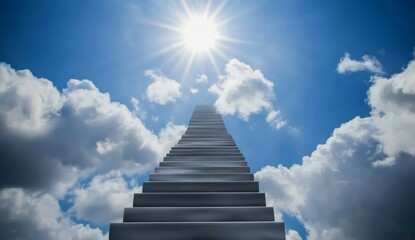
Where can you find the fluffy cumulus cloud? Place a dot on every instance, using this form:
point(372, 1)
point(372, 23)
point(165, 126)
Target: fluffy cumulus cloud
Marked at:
point(52, 140)
point(244, 91)
point(393, 107)
point(359, 184)
point(367, 63)
point(163, 90)
point(201, 78)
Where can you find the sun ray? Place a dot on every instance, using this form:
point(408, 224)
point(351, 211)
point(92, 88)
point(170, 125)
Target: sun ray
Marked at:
point(170, 27)
point(219, 51)
point(213, 62)
point(218, 10)
point(207, 9)
point(189, 64)
point(186, 7)
point(168, 48)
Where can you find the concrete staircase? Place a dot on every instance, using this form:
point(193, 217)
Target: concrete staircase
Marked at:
point(203, 190)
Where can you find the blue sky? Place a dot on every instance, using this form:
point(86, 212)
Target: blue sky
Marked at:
point(324, 68)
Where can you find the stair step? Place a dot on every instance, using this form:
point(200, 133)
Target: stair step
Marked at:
point(202, 177)
point(206, 138)
point(198, 199)
point(205, 150)
point(204, 158)
point(204, 147)
point(203, 164)
point(250, 186)
point(204, 154)
point(198, 231)
point(201, 170)
point(198, 214)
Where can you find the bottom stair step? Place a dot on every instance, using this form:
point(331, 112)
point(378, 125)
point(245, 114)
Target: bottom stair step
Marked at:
point(198, 231)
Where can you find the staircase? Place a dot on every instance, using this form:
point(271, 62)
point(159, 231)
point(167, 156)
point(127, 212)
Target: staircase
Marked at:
point(203, 190)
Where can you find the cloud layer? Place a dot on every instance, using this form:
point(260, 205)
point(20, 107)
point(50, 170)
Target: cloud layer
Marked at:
point(368, 63)
point(51, 140)
point(358, 184)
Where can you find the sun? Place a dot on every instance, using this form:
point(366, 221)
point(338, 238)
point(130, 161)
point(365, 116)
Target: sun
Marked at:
point(200, 34)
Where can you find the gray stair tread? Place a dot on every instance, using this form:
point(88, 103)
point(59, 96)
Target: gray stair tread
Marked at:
point(198, 152)
point(198, 231)
point(198, 214)
point(240, 186)
point(206, 144)
point(204, 158)
point(198, 199)
point(206, 148)
point(203, 155)
point(203, 164)
point(202, 170)
point(202, 177)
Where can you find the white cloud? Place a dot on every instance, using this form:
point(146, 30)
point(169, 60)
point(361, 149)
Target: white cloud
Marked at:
point(194, 90)
point(28, 106)
point(359, 183)
point(244, 91)
point(75, 135)
point(37, 216)
point(170, 135)
point(163, 90)
point(393, 107)
point(99, 134)
point(103, 199)
point(201, 78)
point(368, 63)
point(137, 110)
point(293, 235)
point(275, 120)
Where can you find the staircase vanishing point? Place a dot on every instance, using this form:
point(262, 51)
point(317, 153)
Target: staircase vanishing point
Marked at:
point(203, 190)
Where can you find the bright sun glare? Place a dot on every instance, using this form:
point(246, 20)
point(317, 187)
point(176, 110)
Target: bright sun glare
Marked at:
point(200, 34)
point(200, 31)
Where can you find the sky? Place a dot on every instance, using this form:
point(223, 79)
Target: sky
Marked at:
point(318, 95)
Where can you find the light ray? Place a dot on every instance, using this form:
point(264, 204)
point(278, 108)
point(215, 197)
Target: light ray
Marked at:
point(187, 9)
point(189, 64)
point(207, 9)
point(169, 48)
point(218, 10)
point(212, 60)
